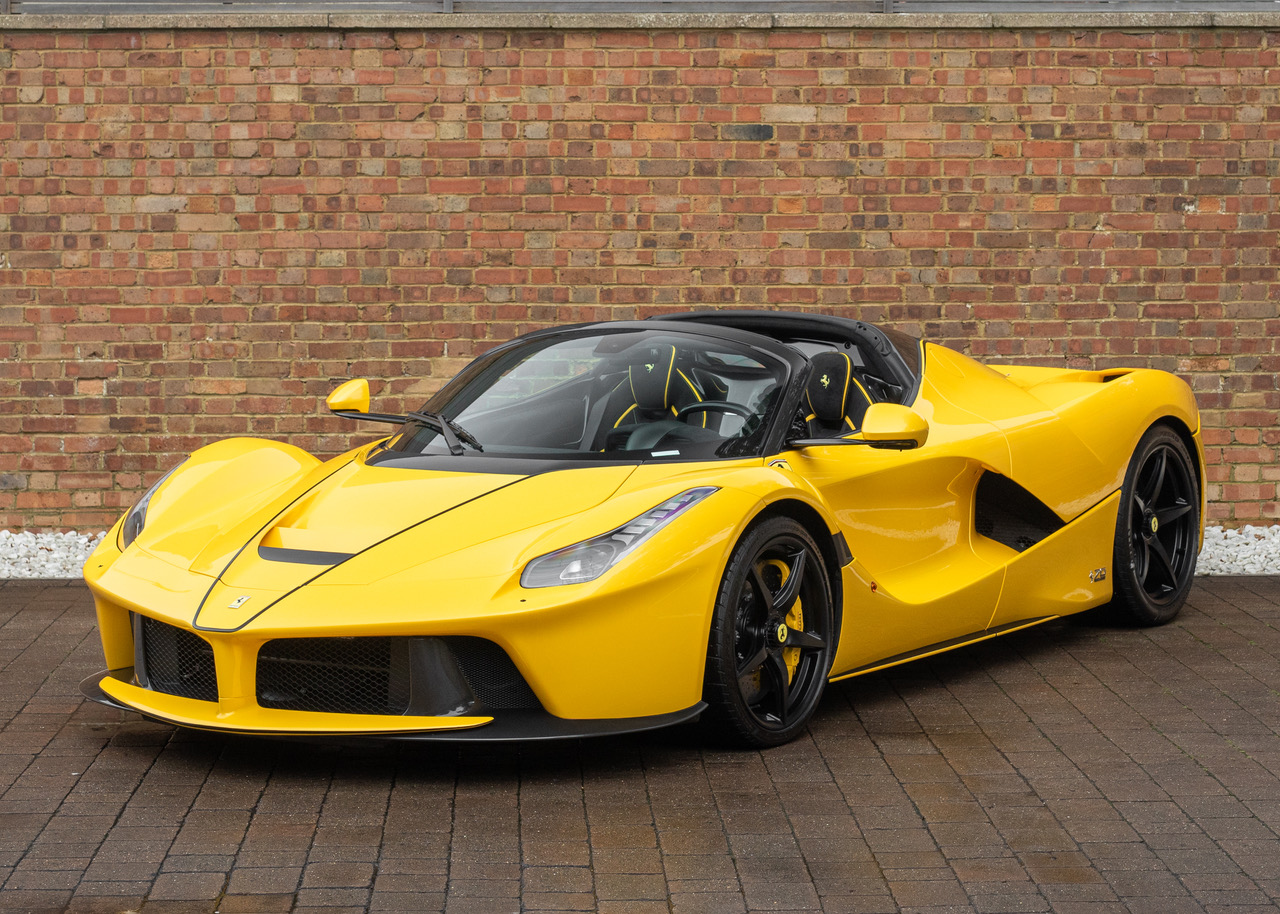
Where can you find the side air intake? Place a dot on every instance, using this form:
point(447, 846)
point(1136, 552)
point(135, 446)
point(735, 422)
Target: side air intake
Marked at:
point(1009, 514)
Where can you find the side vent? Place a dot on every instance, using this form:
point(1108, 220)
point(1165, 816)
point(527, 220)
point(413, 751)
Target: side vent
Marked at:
point(1009, 514)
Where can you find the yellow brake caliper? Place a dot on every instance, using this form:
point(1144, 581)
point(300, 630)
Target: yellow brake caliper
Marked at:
point(794, 619)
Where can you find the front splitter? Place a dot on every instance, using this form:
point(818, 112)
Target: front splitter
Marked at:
point(505, 726)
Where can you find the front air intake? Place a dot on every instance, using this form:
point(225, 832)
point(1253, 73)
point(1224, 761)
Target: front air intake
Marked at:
point(391, 675)
point(335, 675)
point(173, 660)
point(492, 676)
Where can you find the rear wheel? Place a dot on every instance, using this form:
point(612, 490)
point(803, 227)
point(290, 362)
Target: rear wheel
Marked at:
point(1157, 530)
point(771, 641)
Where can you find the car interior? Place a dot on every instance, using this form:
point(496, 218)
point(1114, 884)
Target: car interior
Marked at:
point(669, 394)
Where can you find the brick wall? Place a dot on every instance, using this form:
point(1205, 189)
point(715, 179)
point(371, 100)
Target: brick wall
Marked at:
point(203, 230)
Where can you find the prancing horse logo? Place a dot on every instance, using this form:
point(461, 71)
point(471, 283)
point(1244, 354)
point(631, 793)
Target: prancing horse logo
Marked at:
point(826, 381)
point(649, 366)
point(238, 602)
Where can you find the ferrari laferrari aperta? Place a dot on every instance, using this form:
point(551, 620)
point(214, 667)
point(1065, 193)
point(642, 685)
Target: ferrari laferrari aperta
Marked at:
point(619, 526)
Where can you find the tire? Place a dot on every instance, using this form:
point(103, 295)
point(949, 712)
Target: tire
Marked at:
point(772, 637)
point(1157, 529)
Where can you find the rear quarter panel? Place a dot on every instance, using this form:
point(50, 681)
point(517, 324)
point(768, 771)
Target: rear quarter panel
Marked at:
point(1070, 433)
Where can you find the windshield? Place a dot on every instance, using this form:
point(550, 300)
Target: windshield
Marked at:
point(627, 395)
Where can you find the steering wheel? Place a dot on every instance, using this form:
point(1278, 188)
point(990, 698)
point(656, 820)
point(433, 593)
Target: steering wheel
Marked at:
point(718, 406)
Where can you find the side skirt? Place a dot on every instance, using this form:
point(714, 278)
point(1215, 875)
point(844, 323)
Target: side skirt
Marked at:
point(942, 646)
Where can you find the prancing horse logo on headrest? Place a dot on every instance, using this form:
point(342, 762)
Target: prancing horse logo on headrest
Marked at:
point(649, 366)
point(826, 381)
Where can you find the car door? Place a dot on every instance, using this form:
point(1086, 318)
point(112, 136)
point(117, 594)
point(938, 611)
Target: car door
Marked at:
point(920, 575)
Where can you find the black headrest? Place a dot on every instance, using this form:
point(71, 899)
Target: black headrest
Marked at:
point(830, 377)
point(651, 377)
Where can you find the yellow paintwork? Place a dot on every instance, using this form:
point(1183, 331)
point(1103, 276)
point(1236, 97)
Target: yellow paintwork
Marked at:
point(352, 396)
point(441, 553)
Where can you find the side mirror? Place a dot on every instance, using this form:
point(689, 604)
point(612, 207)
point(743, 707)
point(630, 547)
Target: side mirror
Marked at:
point(892, 425)
point(351, 401)
point(350, 397)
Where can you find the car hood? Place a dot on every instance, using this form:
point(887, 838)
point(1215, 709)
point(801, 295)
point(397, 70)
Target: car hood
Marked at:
point(360, 507)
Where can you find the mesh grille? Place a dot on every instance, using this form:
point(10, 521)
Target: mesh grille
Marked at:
point(336, 675)
point(177, 662)
point(491, 674)
point(374, 675)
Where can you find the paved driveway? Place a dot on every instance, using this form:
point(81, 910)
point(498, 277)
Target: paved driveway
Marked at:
point(1074, 767)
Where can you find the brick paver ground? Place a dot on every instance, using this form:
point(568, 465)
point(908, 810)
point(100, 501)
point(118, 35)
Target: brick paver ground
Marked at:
point(1077, 767)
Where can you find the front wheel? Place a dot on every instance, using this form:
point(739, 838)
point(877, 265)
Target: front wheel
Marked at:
point(772, 637)
point(1157, 530)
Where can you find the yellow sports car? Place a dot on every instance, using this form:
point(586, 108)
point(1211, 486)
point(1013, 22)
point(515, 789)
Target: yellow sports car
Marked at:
point(619, 526)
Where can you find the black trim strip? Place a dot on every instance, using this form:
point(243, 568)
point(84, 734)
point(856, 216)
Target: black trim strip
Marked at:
point(843, 555)
point(972, 637)
point(302, 556)
point(139, 669)
point(369, 417)
point(472, 462)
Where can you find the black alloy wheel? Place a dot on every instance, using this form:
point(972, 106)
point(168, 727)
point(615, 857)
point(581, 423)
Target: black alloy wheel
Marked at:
point(772, 638)
point(1158, 529)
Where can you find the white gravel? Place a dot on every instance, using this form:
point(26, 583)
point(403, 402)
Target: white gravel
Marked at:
point(1249, 550)
point(45, 555)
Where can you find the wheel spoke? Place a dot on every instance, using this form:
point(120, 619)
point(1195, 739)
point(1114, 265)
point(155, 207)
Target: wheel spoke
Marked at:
point(1173, 513)
point(753, 663)
point(761, 588)
point(1141, 560)
point(775, 671)
point(791, 589)
point(805, 640)
point(1165, 562)
point(1157, 484)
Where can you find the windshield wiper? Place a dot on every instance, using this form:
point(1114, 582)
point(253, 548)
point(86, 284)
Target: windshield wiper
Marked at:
point(451, 431)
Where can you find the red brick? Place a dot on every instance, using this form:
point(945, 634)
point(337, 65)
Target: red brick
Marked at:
point(265, 226)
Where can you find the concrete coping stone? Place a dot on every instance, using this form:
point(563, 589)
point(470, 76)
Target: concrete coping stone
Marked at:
point(217, 21)
point(673, 20)
point(579, 21)
point(1070, 20)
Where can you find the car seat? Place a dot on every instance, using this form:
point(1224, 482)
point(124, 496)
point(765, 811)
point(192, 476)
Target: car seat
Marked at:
point(652, 392)
point(836, 399)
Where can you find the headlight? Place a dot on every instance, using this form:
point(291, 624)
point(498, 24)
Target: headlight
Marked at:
point(136, 519)
point(591, 558)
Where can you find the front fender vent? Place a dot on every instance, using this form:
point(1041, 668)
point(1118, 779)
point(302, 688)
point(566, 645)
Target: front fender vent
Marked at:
point(1007, 513)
